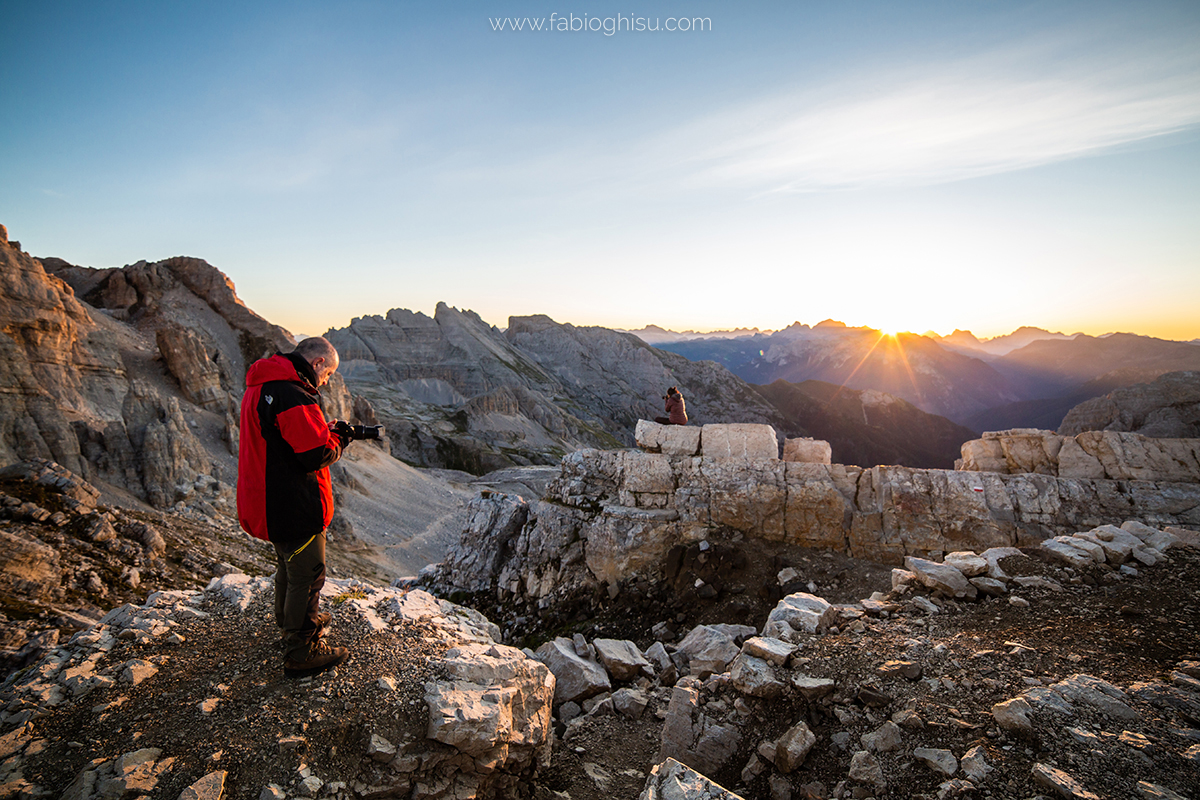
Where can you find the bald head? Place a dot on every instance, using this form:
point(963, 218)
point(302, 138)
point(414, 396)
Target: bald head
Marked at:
point(321, 356)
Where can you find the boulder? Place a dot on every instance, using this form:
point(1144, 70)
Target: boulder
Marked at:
point(493, 697)
point(575, 678)
point(793, 747)
point(1059, 549)
point(807, 451)
point(799, 612)
point(670, 440)
point(690, 736)
point(739, 440)
point(708, 650)
point(776, 651)
point(966, 562)
point(630, 703)
point(942, 761)
point(884, 739)
point(1013, 715)
point(755, 677)
point(622, 658)
point(1060, 783)
point(671, 780)
point(943, 578)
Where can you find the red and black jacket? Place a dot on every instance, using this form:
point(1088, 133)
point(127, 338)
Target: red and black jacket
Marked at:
point(283, 491)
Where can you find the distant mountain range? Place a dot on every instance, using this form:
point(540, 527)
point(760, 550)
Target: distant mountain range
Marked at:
point(1029, 378)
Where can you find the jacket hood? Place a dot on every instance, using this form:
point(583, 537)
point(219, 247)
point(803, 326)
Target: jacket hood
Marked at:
point(281, 367)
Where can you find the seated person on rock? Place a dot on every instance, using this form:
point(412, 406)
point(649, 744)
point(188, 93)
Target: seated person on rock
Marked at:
point(676, 413)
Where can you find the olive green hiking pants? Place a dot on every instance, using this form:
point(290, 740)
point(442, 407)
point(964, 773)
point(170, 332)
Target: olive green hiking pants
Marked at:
point(298, 580)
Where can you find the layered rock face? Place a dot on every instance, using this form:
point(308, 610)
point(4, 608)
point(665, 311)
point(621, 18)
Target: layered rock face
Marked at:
point(131, 377)
point(612, 516)
point(1107, 455)
point(456, 392)
point(1168, 407)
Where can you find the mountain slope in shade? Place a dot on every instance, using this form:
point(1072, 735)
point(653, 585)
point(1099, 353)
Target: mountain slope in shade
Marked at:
point(1046, 368)
point(1168, 407)
point(868, 428)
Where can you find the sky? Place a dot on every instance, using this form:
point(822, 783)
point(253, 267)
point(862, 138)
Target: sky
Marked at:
point(907, 166)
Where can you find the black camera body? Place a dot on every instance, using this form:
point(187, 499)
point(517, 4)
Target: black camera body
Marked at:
point(357, 432)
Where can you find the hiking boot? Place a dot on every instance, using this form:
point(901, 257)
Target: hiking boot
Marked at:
point(320, 658)
point(323, 620)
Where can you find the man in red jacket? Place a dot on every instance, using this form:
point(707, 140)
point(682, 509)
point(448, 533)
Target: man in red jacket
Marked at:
point(284, 494)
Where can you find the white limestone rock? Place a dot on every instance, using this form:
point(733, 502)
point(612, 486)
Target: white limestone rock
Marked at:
point(974, 764)
point(1013, 715)
point(801, 612)
point(944, 578)
point(884, 739)
point(575, 678)
point(942, 761)
point(775, 651)
point(793, 747)
point(670, 440)
point(989, 586)
point(708, 650)
point(622, 658)
point(993, 556)
point(1060, 783)
point(755, 677)
point(807, 451)
point(671, 780)
point(739, 440)
point(493, 699)
point(967, 563)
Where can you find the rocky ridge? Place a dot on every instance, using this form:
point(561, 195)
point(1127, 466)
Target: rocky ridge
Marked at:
point(457, 393)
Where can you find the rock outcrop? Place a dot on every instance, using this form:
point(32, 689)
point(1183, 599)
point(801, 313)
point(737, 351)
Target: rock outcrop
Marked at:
point(614, 515)
point(1108, 455)
point(1168, 408)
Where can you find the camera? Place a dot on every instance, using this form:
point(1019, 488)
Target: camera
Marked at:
point(357, 432)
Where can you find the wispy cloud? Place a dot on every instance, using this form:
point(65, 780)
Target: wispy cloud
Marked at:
point(946, 122)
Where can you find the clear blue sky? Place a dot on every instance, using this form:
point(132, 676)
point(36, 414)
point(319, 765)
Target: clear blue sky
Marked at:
point(902, 165)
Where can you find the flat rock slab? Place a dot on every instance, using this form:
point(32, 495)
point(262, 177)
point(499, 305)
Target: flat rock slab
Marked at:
point(622, 658)
point(739, 440)
point(670, 440)
point(769, 649)
point(1060, 783)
